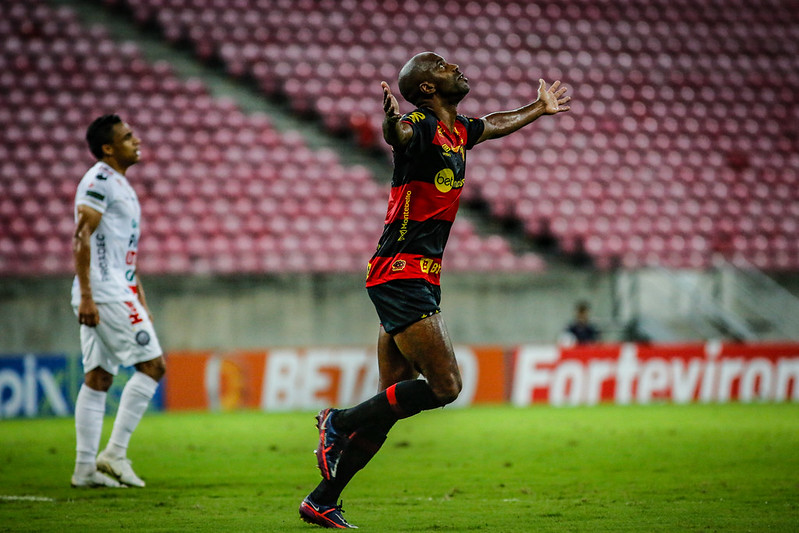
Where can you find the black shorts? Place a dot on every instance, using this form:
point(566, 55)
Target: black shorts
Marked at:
point(402, 302)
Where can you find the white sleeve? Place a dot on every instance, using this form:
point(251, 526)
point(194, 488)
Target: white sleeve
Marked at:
point(96, 192)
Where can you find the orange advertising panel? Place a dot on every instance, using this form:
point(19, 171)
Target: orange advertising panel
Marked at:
point(492, 377)
point(308, 378)
point(184, 377)
point(214, 380)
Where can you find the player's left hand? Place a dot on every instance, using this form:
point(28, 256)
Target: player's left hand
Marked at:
point(553, 98)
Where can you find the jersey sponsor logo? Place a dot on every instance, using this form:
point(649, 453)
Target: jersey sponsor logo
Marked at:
point(398, 265)
point(95, 194)
point(142, 338)
point(416, 116)
point(448, 150)
point(430, 266)
point(102, 256)
point(406, 216)
point(445, 181)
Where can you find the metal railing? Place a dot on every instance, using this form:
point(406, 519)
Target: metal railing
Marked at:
point(735, 301)
point(754, 294)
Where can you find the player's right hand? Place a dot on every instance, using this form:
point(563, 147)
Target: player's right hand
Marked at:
point(88, 315)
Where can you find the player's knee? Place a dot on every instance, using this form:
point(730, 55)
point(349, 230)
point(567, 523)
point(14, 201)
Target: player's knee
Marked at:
point(98, 379)
point(448, 392)
point(160, 370)
point(156, 368)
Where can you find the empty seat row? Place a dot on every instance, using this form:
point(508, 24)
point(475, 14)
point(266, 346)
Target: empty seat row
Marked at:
point(221, 191)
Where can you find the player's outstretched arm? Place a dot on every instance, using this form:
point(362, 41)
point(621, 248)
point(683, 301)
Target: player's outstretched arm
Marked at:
point(550, 101)
point(395, 132)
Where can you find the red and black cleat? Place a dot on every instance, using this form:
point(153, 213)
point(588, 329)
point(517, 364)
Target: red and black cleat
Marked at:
point(328, 516)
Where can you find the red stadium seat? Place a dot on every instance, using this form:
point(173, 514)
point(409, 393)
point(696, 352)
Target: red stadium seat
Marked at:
point(669, 131)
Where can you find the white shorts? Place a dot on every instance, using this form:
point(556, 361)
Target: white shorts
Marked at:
point(125, 336)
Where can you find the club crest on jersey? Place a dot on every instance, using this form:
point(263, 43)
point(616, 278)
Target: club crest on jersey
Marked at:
point(398, 265)
point(143, 338)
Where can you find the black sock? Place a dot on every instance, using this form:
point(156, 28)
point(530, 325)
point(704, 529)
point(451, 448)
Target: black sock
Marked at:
point(363, 445)
point(400, 400)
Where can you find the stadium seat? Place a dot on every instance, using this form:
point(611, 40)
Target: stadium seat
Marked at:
point(669, 130)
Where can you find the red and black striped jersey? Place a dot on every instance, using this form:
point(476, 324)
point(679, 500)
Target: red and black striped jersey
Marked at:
point(425, 194)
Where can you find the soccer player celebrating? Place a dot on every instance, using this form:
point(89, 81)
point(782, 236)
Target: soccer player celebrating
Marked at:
point(403, 275)
point(107, 295)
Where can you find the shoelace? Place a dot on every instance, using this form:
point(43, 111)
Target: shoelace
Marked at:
point(338, 507)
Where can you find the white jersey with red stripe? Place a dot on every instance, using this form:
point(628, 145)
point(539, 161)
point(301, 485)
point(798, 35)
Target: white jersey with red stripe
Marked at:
point(115, 242)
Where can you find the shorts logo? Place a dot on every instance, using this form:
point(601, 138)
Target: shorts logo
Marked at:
point(143, 338)
point(398, 265)
point(134, 316)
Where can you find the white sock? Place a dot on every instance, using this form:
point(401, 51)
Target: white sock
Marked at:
point(89, 412)
point(136, 395)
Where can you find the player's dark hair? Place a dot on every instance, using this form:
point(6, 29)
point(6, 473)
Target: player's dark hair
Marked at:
point(100, 132)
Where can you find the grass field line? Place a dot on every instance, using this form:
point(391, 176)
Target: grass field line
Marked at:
point(15, 498)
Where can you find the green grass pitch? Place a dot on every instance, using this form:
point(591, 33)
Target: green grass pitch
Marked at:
point(606, 468)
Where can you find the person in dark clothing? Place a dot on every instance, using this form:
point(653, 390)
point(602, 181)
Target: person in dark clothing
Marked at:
point(581, 328)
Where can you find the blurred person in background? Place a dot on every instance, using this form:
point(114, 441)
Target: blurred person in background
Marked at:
point(581, 330)
point(403, 276)
point(116, 327)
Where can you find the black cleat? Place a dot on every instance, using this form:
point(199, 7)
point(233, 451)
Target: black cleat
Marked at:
point(324, 515)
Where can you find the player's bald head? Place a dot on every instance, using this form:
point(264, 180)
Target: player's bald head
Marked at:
point(418, 69)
